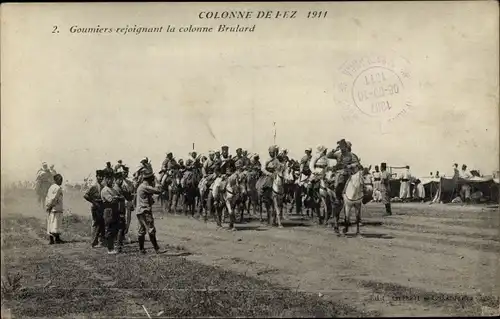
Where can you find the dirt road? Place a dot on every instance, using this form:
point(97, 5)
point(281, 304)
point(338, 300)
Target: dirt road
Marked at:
point(423, 260)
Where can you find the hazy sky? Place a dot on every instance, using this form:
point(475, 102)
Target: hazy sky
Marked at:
point(79, 100)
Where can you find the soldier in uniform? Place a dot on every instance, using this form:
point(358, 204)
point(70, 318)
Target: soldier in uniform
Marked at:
point(93, 196)
point(130, 204)
point(108, 169)
point(119, 167)
point(346, 162)
point(225, 159)
point(385, 188)
point(145, 219)
point(239, 159)
point(246, 160)
point(110, 200)
point(125, 195)
point(376, 184)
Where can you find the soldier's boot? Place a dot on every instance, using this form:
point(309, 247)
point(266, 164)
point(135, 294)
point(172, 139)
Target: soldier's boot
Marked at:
point(141, 244)
point(51, 240)
point(388, 210)
point(58, 240)
point(232, 219)
point(152, 239)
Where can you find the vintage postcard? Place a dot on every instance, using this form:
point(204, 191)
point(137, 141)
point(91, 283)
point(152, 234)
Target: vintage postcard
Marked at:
point(250, 159)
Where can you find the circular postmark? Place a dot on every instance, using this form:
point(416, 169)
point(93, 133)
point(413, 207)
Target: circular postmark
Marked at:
point(375, 86)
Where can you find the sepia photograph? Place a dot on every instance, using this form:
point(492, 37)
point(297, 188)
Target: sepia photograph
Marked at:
point(250, 159)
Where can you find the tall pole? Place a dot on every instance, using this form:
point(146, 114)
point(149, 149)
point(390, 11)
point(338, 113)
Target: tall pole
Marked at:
point(193, 146)
point(274, 124)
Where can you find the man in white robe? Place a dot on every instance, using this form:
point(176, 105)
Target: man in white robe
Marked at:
point(404, 191)
point(54, 208)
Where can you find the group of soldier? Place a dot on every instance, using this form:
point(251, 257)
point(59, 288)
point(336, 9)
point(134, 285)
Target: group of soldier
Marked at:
point(115, 196)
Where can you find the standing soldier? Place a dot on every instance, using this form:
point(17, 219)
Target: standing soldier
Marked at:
point(385, 188)
point(376, 184)
point(110, 200)
point(93, 196)
point(54, 208)
point(144, 211)
point(129, 203)
point(125, 195)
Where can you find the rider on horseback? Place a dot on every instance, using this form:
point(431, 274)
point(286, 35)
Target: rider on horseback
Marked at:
point(168, 166)
point(317, 166)
point(347, 162)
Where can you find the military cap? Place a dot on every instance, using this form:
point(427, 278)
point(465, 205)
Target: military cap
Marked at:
point(383, 165)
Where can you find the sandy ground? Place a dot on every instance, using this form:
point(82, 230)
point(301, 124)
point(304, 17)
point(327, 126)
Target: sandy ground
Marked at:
point(424, 260)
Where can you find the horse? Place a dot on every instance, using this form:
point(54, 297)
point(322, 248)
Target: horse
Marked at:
point(278, 193)
point(231, 197)
point(356, 192)
point(42, 188)
point(165, 195)
point(327, 195)
point(243, 195)
point(218, 190)
point(264, 191)
point(189, 184)
point(252, 177)
point(290, 187)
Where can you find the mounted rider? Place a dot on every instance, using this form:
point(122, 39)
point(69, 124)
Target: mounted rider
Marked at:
point(239, 159)
point(347, 164)
point(226, 159)
point(168, 166)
